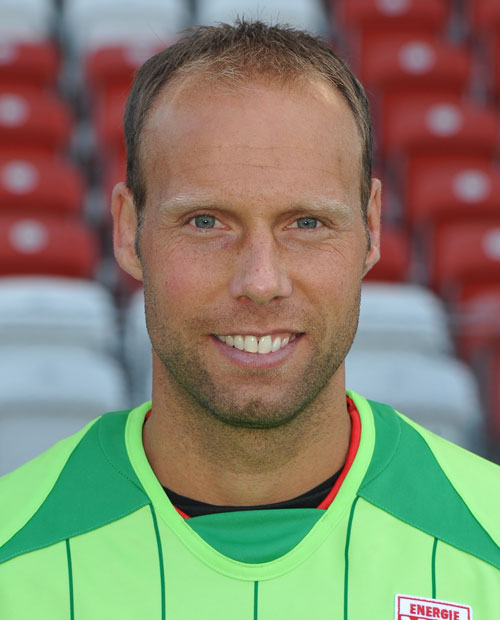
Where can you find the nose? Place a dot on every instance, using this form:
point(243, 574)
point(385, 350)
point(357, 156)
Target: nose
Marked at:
point(260, 271)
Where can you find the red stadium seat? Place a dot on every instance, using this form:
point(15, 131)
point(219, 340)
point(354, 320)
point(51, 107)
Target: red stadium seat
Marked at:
point(39, 186)
point(46, 246)
point(463, 253)
point(108, 123)
point(33, 64)
point(430, 125)
point(493, 394)
point(114, 171)
point(495, 64)
point(477, 318)
point(429, 15)
point(112, 67)
point(394, 263)
point(33, 119)
point(403, 63)
point(452, 190)
point(484, 14)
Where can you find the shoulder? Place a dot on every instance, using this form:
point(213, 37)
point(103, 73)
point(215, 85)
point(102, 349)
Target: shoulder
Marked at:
point(475, 479)
point(46, 495)
point(25, 489)
point(433, 485)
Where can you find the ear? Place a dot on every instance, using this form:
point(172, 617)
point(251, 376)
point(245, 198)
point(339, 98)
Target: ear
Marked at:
point(125, 230)
point(373, 213)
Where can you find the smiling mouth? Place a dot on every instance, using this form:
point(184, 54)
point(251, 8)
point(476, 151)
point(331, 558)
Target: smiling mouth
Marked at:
point(262, 345)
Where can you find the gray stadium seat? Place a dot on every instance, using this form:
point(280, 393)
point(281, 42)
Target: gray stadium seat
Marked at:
point(405, 317)
point(137, 349)
point(57, 311)
point(438, 392)
point(47, 393)
point(26, 20)
point(89, 24)
point(304, 14)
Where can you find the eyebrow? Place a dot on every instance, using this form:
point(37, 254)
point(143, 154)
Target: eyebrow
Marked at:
point(322, 206)
point(184, 202)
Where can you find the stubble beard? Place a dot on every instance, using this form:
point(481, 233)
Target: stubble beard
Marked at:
point(200, 390)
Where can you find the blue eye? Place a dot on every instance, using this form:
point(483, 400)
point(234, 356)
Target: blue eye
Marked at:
point(307, 222)
point(204, 221)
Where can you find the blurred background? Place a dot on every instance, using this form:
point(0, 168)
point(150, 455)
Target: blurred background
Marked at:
point(73, 342)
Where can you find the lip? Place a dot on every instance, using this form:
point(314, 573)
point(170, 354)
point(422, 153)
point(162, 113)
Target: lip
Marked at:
point(256, 360)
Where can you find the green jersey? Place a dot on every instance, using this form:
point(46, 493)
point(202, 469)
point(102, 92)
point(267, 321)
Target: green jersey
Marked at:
point(88, 533)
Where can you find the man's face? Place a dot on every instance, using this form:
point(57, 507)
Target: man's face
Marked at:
point(252, 237)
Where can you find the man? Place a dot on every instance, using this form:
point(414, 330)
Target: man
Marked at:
point(252, 487)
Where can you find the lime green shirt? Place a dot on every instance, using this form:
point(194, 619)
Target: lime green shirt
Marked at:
point(88, 533)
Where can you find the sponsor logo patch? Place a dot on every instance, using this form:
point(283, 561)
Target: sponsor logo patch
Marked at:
point(417, 608)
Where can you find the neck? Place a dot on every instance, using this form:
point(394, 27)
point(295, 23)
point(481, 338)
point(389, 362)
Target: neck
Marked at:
point(198, 456)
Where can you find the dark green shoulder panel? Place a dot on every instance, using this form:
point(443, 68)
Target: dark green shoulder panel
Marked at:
point(405, 480)
point(96, 486)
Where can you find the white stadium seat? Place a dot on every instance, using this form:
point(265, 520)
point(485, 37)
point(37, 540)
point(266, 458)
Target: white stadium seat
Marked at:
point(402, 317)
point(137, 349)
point(26, 20)
point(57, 311)
point(438, 392)
point(48, 392)
point(304, 14)
point(92, 23)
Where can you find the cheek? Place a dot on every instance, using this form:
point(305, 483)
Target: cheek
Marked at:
point(187, 278)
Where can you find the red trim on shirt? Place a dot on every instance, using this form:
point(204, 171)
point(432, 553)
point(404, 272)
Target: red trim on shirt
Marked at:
point(351, 453)
point(183, 514)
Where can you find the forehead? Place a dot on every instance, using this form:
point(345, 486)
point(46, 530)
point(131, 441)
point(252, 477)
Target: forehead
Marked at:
point(258, 134)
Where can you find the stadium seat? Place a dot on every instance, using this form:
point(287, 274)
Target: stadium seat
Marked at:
point(137, 349)
point(438, 126)
point(402, 317)
point(47, 393)
point(464, 252)
point(39, 186)
point(450, 190)
point(34, 64)
point(492, 392)
point(425, 15)
point(57, 311)
point(399, 62)
point(33, 120)
point(27, 20)
point(46, 246)
point(484, 14)
point(438, 392)
point(114, 171)
point(495, 64)
point(108, 124)
point(476, 318)
point(111, 67)
point(394, 263)
point(91, 24)
point(304, 14)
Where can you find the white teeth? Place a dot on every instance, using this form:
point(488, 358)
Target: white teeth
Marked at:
point(265, 344)
point(252, 344)
point(239, 343)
